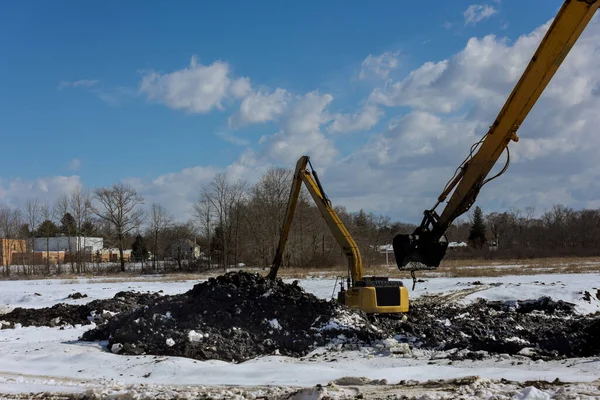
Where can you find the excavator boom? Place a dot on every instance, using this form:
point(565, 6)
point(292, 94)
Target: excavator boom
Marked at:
point(370, 294)
point(336, 226)
point(426, 247)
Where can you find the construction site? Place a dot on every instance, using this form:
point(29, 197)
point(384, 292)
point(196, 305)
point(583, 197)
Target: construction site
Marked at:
point(425, 312)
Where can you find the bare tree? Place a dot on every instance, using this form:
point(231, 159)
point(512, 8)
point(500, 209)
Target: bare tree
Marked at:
point(32, 216)
point(224, 198)
point(47, 228)
point(61, 209)
point(180, 245)
point(203, 212)
point(80, 207)
point(498, 224)
point(160, 220)
point(120, 206)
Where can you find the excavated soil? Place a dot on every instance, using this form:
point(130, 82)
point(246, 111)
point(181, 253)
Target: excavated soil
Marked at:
point(239, 316)
point(233, 317)
point(96, 311)
point(540, 329)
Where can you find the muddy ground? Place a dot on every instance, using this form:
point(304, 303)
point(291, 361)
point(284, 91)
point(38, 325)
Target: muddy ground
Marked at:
point(239, 316)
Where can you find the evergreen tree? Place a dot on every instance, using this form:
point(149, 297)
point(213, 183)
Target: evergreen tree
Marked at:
point(477, 231)
point(68, 225)
point(47, 229)
point(88, 228)
point(139, 249)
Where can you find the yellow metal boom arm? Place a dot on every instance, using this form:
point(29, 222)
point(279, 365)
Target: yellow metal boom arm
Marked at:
point(564, 31)
point(335, 224)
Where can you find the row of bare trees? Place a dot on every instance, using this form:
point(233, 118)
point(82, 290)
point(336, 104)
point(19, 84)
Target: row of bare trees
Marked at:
point(241, 223)
point(234, 222)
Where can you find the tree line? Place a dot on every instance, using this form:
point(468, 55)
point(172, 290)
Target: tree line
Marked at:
point(236, 223)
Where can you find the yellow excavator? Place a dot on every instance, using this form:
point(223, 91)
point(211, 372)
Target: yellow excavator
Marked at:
point(426, 246)
point(371, 294)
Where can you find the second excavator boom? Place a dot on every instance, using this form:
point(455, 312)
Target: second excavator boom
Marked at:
point(426, 246)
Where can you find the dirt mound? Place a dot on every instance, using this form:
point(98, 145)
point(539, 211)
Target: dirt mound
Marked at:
point(239, 316)
point(541, 328)
point(77, 296)
point(69, 314)
point(234, 317)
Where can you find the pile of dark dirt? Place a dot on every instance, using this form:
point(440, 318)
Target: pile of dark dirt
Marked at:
point(239, 316)
point(97, 311)
point(77, 296)
point(540, 328)
point(234, 317)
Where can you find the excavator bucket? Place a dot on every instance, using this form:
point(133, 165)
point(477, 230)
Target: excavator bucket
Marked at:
point(418, 252)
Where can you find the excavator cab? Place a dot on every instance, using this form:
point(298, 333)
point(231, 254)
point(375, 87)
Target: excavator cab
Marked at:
point(418, 251)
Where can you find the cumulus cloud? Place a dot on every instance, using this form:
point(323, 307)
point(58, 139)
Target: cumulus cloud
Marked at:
point(177, 191)
point(478, 12)
point(261, 106)
point(15, 192)
point(378, 66)
point(483, 72)
point(300, 131)
point(451, 105)
point(363, 120)
point(437, 111)
point(197, 88)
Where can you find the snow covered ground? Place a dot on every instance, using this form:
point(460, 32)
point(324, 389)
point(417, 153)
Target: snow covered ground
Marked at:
point(52, 359)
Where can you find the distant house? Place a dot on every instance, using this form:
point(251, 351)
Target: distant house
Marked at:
point(69, 243)
point(9, 248)
point(185, 249)
point(110, 255)
point(457, 245)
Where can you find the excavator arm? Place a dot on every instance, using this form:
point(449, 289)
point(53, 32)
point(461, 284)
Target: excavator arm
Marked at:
point(336, 226)
point(373, 294)
point(426, 247)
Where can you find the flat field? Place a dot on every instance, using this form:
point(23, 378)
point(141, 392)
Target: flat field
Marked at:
point(52, 361)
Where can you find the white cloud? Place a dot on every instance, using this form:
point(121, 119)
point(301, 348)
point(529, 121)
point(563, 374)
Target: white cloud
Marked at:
point(484, 72)
point(241, 87)
point(261, 106)
point(378, 66)
point(478, 12)
point(80, 83)
point(233, 139)
point(197, 89)
point(176, 191)
point(363, 120)
point(300, 132)
point(75, 164)
point(111, 95)
point(16, 191)
point(451, 105)
point(440, 108)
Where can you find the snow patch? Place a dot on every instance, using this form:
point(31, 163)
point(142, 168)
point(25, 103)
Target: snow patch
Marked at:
point(194, 336)
point(275, 324)
point(170, 342)
point(116, 348)
point(531, 393)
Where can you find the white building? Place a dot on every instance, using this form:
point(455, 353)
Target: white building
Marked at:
point(61, 243)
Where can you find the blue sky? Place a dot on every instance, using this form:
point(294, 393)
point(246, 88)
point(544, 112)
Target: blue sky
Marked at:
point(72, 101)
